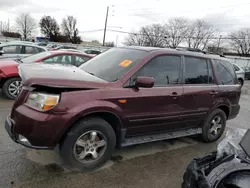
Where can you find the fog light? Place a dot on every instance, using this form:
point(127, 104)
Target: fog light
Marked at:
point(23, 139)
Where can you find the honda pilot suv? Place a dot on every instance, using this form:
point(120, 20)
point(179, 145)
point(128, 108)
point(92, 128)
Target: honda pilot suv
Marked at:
point(122, 97)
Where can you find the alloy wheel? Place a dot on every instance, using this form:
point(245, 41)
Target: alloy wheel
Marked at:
point(90, 147)
point(216, 126)
point(15, 88)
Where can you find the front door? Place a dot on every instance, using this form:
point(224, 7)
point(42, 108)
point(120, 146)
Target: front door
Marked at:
point(200, 91)
point(150, 110)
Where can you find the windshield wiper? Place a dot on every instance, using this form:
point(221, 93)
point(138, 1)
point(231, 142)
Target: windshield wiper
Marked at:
point(90, 73)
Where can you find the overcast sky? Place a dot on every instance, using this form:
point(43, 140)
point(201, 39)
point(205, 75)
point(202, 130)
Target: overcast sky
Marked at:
point(129, 15)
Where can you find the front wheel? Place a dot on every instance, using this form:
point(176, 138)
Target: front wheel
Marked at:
point(214, 126)
point(12, 87)
point(88, 145)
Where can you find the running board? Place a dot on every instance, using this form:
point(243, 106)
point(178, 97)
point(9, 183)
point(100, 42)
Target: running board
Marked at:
point(162, 136)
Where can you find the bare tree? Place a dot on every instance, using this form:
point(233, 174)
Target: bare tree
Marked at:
point(49, 27)
point(135, 40)
point(25, 24)
point(151, 35)
point(200, 34)
point(175, 31)
point(240, 41)
point(69, 29)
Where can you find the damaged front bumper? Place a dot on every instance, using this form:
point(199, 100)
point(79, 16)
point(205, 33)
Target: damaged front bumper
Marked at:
point(20, 139)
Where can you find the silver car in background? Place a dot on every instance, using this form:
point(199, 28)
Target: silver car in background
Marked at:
point(240, 74)
point(19, 49)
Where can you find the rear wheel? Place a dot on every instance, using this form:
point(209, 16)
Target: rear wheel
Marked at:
point(240, 82)
point(88, 145)
point(214, 126)
point(12, 87)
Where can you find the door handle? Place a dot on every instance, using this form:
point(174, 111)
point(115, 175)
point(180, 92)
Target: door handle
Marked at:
point(213, 92)
point(174, 95)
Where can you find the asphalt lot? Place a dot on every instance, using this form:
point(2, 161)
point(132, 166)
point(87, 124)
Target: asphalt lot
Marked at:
point(159, 164)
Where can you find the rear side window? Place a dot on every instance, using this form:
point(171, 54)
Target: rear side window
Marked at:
point(164, 70)
point(80, 60)
point(198, 71)
point(236, 68)
point(226, 73)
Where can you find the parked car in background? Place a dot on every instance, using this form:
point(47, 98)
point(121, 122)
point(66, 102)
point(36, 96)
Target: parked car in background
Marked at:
point(51, 46)
point(240, 74)
point(122, 97)
point(10, 81)
point(41, 44)
point(247, 72)
point(63, 47)
point(92, 51)
point(19, 49)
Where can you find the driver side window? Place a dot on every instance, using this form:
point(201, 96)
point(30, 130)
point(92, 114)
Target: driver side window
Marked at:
point(164, 69)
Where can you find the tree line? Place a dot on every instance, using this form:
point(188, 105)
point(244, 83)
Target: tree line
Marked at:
point(197, 34)
point(25, 25)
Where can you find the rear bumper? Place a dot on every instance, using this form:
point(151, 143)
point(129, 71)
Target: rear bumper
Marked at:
point(234, 111)
point(19, 138)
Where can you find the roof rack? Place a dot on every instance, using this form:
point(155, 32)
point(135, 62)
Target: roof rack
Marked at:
point(197, 50)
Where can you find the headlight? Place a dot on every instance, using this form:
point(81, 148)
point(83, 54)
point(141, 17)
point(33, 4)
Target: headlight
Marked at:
point(42, 101)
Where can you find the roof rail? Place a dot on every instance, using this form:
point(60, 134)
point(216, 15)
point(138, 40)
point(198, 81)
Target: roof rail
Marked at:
point(197, 50)
point(190, 49)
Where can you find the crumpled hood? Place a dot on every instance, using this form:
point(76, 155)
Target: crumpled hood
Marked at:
point(55, 75)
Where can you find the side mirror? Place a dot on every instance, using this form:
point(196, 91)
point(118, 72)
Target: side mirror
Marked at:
point(1, 52)
point(143, 81)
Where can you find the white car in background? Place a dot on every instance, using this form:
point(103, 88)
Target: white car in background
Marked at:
point(240, 74)
point(19, 49)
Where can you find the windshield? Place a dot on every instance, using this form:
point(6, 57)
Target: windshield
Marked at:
point(35, 57)
point(114, 63)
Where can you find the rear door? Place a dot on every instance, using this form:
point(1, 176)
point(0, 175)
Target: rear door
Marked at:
point(228, 83)
point(156, 109)
point(200, 90)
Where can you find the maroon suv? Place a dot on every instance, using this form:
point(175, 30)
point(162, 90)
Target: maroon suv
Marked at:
point(122, 97)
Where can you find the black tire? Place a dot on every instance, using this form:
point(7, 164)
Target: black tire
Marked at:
point(6, 86)
point(241, 82)
point(85, 125)
point(206, 136)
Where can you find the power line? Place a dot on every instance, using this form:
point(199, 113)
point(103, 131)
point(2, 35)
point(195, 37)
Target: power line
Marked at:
point(89, 31)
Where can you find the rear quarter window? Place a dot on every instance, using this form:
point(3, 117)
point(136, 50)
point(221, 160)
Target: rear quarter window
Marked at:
point(226, 72)
point(236, 68)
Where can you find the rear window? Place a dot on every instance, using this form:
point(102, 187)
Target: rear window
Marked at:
point(226, 72)
point(112, 64)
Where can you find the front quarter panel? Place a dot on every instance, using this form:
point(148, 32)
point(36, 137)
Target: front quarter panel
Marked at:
point(10, 71)
point(85, 102)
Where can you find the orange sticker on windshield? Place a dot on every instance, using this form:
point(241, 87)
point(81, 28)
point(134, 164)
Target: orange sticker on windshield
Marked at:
point(125, 63)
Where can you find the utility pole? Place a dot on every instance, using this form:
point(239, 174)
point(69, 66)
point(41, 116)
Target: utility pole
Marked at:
point(105, 27)
point(8, 27)
point(219, 43)
point(116, 43)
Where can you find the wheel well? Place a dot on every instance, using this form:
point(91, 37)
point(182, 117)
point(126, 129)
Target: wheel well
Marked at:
point(3, 80)
point(111, 118)
point(225, 109)
point(241, 80)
